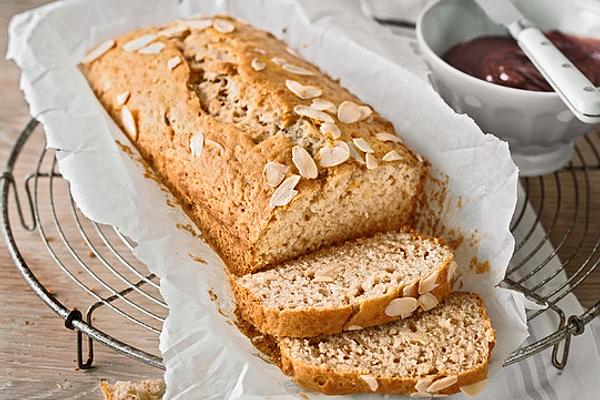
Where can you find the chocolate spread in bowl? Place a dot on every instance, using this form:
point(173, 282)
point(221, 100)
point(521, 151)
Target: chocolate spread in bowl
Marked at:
point(499, 59)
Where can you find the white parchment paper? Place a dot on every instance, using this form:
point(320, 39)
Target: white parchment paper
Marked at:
point(205, 356)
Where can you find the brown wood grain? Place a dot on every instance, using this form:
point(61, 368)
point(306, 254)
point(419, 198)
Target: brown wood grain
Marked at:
point(37, 353)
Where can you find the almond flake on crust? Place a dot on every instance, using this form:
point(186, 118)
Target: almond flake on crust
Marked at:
point(173, 63)
point(442, 383)
point(305, 111)
point(279, 61)
point(222, 25)
point(329, 128)
point(304, 92)
point(129, 123)
point(371, 160)
point(349, 112)
point(257, 65)
point(371, 381)
point(392, 155)
point(98, 51)
point(429, 283)
point(274, 173)
point(428, 301)
point(304, 162)
point(324, 105)
point(285, 192)
point(139, 42)
point(175, 31)
point(199, 24)
point(363, 145)
point(260, 51)
point(197, 144)
point(331, 156)
point(122, 98)
point(153, 48)
point(388, 137)
point(355, 154)
point(401, 306)
point(295, 69)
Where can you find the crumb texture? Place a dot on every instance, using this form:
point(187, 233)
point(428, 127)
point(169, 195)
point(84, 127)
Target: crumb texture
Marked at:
point(350, 273)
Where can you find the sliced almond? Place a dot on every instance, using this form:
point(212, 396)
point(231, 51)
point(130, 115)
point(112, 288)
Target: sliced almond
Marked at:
point(257, 65)
point(351, 328)
point(371, 160)
point(173, 63)
point(401, 306)
point(274, 173)
point(349, 112)
point(153, 48)
point(442, 383)
point(355, 154)
point(410, 290)
point(473, 389)
point(260, 51)
point(279, 61)
point(324, 105)
point(420, 157)
point(365, 112)
point(452, 268)
point(222, 25)
point(199, 24)
point(363, 145)
point(305, 111)
point(139, 42)
point(371, 381)
point(388, 137)
point(331, 156)
point(174, 31)
point(421, 395)
point(304, 162)
point(392, 156)
point(329, 128)
point(305, 92)
point(197, 144)
point(423, 383)
point(98, 51)
point(216, 145)
point(285, 192)
point(428, 301)
point(427, 284)
point(129, 123)
point(291, 51)
point(122, 98)
point(295, 69)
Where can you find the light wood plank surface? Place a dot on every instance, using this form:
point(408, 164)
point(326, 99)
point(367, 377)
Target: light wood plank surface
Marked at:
point(37, 353)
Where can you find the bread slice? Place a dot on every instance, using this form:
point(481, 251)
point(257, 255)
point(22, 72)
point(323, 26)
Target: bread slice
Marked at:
point(150, 389)
point(252, 162)
point(437, 352)
point(360, 283)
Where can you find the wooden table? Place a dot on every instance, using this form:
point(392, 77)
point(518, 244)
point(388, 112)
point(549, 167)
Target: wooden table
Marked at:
point(37, 353)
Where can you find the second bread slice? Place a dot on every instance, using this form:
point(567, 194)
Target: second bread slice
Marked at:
point(365, 282)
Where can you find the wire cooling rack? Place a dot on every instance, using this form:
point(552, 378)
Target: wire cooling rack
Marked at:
point(557, 252)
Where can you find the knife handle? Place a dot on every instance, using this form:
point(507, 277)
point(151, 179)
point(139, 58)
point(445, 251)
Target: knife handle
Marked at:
point(572, 86)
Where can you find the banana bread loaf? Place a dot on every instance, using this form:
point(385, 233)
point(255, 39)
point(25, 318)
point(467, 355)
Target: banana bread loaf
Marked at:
point(269, 157)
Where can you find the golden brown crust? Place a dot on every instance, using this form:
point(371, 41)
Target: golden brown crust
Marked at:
point(223, 191)
point(329, 380)
point(326, 321)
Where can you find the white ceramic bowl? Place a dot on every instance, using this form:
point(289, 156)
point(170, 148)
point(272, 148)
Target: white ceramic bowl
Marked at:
point(538, 126)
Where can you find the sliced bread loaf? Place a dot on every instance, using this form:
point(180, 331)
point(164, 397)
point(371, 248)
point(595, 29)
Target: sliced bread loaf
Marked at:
point(360, 283)
point(438, 352)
